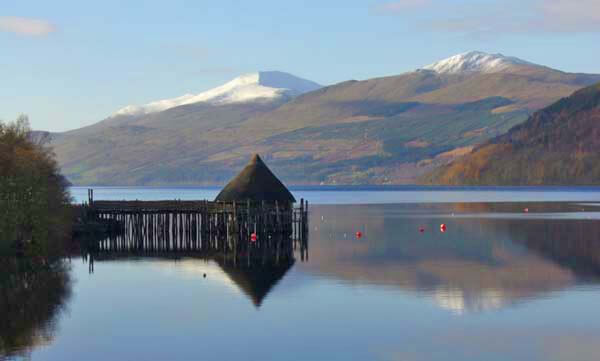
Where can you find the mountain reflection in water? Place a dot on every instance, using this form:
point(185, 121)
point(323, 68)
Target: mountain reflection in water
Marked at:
point(491, 255)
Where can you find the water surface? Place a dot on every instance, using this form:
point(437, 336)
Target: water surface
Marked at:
point(515, 276)
point(364, 194)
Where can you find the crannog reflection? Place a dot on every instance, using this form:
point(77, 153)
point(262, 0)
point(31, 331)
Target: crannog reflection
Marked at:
point(31, 301)
point(257, 281)
point(254, 269)
point(254, 264)
point(490, 255)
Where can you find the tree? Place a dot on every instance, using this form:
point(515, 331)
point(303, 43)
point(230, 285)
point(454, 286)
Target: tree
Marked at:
point(34, 199)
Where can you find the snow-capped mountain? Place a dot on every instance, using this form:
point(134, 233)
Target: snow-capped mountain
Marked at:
point(475, 61)
point(264, 86)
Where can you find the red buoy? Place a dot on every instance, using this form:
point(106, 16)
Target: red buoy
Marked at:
point(253, 237)
point(526, 210)
point(443, 227)
point(358, 234)
point(422, 229)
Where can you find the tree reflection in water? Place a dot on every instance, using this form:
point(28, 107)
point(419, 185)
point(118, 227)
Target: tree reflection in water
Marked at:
point(31, 300)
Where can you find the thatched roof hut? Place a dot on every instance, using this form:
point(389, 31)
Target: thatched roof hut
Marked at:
point(256, 183)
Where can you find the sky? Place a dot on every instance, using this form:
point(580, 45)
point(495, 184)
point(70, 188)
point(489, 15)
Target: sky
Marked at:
point(67, 64)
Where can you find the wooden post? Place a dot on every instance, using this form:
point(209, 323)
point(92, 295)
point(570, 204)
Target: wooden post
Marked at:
point(235, 233)
point(247, 240)
point(300, 233)
point(304, 222)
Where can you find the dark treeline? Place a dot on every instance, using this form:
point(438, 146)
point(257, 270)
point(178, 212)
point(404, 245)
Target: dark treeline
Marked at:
point(35, 222)
point(34, 200)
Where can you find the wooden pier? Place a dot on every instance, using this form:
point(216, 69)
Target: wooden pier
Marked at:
point(240, 232)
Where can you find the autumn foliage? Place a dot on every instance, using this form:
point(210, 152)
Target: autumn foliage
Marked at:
point(558, 145)
point(34, 212)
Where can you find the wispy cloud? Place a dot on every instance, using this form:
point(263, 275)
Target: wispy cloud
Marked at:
point(402, 5)
point(569, 15)
point(505, 17)
point(26, 26)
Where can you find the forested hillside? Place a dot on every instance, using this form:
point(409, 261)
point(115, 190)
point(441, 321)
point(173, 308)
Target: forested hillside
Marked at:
point(558, 145)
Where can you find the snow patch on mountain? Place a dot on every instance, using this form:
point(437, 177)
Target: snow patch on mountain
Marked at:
point(264, 86)
point(475, 61)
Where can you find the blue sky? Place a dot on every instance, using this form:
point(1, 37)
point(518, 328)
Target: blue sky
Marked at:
point(67, 64)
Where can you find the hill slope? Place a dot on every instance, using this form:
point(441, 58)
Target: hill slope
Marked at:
point(383, 130)
point(558, 145)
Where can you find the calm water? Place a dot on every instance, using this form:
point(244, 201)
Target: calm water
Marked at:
point(499, 284)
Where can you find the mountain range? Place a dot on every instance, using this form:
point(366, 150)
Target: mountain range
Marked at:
point(388, 130)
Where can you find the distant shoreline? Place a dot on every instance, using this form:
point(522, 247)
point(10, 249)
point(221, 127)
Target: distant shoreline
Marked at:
point(333, 188)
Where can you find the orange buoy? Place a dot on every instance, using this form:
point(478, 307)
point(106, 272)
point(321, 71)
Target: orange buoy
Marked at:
point(253, 237)
point(443, 227)
point(358, 234)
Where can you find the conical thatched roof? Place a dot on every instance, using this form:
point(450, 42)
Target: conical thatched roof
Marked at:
point(256, 183)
